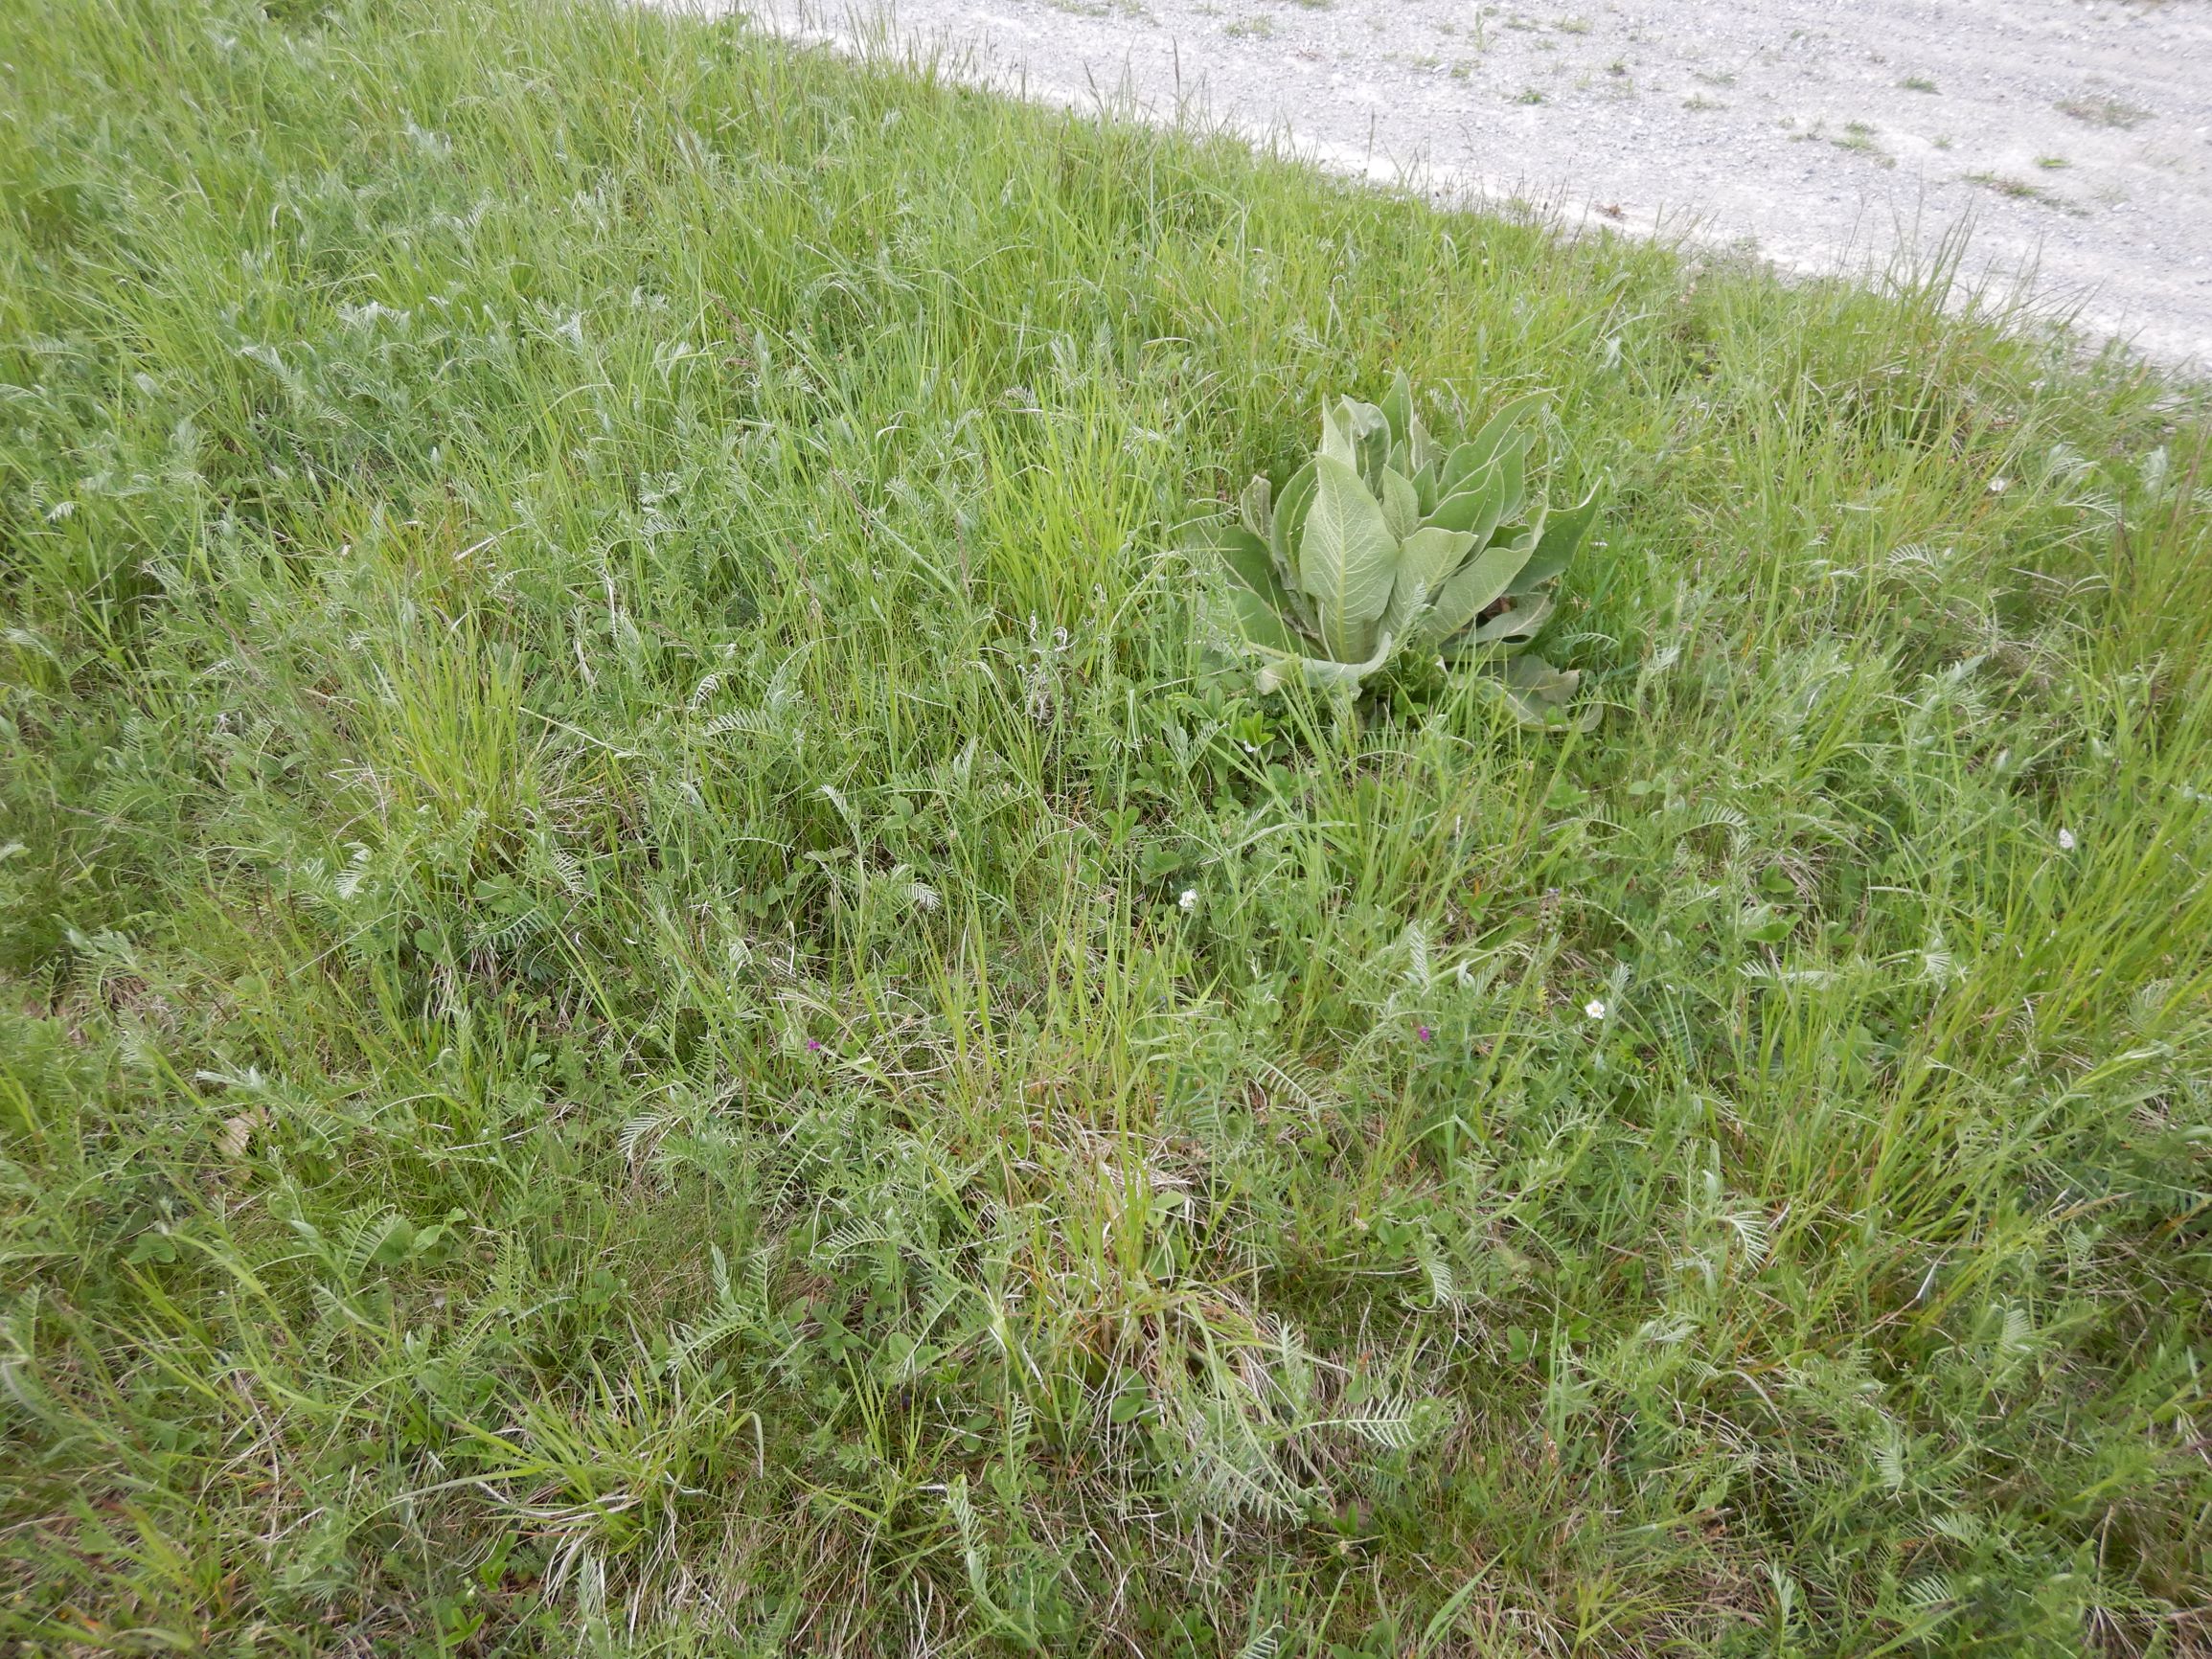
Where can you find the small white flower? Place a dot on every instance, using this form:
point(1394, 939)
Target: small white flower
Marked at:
point(1595, 1008)
point(1999, 485)
point(1189, 901)
point(2065, 840)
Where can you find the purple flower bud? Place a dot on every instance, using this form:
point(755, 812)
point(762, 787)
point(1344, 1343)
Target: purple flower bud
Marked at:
point(811, 1045)
point(1425, 1033)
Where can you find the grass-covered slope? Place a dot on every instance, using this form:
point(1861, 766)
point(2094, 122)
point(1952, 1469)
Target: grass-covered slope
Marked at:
point(602, 1048)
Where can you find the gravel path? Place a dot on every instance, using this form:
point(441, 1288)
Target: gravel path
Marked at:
point(2076, 135)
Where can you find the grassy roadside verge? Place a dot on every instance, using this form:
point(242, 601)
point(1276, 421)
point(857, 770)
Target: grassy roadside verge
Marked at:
point(602, 1048)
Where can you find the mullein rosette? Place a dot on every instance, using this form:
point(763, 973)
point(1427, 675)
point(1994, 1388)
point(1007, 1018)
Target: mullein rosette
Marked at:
point(1387, 541)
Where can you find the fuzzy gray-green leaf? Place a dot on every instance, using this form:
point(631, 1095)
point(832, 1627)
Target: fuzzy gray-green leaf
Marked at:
point(1512, 463)
point(1500, 426)
point(1563, 534)
point(1268, 613)
point(1476, 585)
point(1425, 561)
point(1476, 508)
point(1524, 622)
point(1397, 410)
point(1384, 537)
point(1242, 554)
point(1371, 441)
point(1400, 503)
point(1538, 693)
point(1469, 458)
point(1347, 558)
point(1283, 668)
point(1289, 520)
point(1422, 446)
point(1256, 507)
point(1262, 623)
point(1336, 438)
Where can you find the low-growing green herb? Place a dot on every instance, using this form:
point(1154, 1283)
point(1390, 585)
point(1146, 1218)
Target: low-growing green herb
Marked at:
point(1387, 541)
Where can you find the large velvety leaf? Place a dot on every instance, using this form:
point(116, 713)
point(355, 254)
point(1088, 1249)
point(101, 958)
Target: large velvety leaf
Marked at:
point(1524, 622)
point(1479, 583)
point(1371, 434)
point(1512, 462)
point(1425, 559)
point(1282, 670)
point(1468, 459)
point(1263, 624)
point(1241, 554)
point(1501, 426)
point(1423, 444)
point(1268, 613)
point(1563, 534)
point(1397, 410)
point(1256, 506)
point(1425, 488)
point(1337, 440)
point(1347, 559)
point(1476, 508)
point(1538, 693)
point(1400, 503)
point(1290, 520)
point(1359, 435)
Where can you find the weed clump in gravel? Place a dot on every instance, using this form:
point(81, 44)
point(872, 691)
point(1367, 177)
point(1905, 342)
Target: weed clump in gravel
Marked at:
point(2104, 109)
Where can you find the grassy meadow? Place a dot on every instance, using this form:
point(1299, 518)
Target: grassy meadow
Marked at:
point(661, 997)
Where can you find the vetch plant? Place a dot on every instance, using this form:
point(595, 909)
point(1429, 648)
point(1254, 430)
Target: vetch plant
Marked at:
point(1387, 541)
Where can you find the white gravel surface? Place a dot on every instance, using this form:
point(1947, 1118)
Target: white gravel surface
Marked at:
point(2073, 136)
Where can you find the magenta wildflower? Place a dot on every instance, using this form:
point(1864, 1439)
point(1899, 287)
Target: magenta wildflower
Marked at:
point(1425, 1033)
point(811, 1045)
